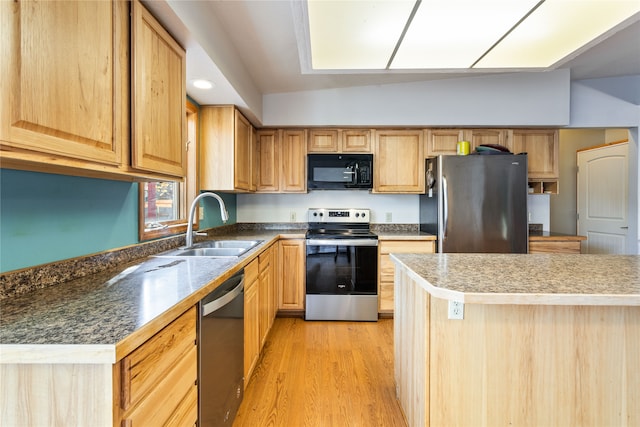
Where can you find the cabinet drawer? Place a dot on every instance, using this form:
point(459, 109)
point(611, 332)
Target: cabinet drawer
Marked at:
point(174, 401)
point(152, 362)
point(407, 247)
point(251, 273)
point(557, 247)
point(265, 259)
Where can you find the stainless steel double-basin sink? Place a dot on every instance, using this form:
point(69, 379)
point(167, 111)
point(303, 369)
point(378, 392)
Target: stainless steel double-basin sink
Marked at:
point(214, 249)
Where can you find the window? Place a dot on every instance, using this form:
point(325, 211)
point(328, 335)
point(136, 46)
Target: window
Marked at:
point(164, 205)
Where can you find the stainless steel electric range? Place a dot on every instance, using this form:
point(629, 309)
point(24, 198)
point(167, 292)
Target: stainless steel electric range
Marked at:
point(342, 266)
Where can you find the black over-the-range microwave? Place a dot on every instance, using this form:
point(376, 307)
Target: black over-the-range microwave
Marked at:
point(339, 171)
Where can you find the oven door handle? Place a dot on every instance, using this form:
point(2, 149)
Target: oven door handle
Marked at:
point(342, 242)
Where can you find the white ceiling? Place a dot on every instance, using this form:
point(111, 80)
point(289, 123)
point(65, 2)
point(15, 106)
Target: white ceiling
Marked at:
point(249, 48)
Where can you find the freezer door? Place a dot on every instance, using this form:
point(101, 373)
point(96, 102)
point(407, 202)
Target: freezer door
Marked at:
point(483, 204)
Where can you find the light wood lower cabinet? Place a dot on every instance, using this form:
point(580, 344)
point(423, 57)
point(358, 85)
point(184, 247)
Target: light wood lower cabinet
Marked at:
point(251, 319)
point(291, 277)
point(386, 267)
point(260, 306)
point(554, 247)
point(156, 384)
point(267, 293)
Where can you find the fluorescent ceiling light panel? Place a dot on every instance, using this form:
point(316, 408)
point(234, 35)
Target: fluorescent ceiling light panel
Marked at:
point(555, 30)
point(355, 34)
point(448, 34)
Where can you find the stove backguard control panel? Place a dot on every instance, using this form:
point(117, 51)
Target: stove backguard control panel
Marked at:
point(320, 215)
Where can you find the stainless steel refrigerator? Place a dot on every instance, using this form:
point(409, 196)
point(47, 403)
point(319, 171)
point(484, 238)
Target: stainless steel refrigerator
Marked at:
point(476, 203)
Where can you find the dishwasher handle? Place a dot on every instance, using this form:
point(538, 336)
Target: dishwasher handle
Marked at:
point(225, 299)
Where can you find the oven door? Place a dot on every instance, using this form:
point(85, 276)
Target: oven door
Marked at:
point(342, 266)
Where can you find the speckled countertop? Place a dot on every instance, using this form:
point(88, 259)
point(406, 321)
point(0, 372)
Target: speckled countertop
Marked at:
point(118, 308)
point(548, 279)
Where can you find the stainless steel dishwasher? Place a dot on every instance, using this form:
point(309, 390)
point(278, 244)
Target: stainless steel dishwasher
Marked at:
point(221, 353)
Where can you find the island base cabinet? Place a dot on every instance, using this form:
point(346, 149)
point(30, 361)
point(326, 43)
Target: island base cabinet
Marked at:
point(521, 365)
point(56, 395)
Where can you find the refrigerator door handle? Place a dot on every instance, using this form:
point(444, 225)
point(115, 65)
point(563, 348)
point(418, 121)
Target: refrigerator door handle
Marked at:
point(445, 207)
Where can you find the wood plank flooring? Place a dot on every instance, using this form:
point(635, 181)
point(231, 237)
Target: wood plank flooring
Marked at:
point(324, 374)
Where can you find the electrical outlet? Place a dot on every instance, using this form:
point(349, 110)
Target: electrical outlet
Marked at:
point(456, 310)
point(388, 217)
point(292, 216)
point(200, 213)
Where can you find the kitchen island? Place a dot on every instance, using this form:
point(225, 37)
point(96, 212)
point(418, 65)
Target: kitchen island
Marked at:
point(544, 339)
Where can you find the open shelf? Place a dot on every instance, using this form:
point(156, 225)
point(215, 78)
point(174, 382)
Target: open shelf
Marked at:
point(543, 187)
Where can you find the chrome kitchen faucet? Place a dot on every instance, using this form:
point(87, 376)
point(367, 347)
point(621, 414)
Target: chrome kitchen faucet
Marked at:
point(192, 209)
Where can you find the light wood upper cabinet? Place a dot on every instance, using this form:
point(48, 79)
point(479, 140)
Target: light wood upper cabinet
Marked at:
point(339, 141)
point(282, 162)
point(68, 102)
point(293, 162)
point(443, 141)
point(291, 267)
point(477, 137)
point(158, 96)
point(255, 160)
point(225, 149)
point(64, 80)
point(399, 161)
point(356, 141)
point(323, 141)
point(268, 160)
point(541, 146)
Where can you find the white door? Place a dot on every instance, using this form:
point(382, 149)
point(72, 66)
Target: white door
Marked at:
point(603, 199)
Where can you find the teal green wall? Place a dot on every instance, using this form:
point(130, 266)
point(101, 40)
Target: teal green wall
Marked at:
point(46, 218)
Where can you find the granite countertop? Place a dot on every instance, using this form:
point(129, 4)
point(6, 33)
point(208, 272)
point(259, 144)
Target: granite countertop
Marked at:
point(546, 279)
point(117, 308)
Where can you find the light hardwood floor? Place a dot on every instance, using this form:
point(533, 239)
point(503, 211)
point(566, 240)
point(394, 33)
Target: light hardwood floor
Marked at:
point(324, 374)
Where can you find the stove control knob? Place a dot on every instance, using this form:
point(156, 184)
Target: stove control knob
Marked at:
point(362, 214)
point(357, 214)
point(315, 214)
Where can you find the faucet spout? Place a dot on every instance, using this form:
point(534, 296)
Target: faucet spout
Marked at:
point(192, 210)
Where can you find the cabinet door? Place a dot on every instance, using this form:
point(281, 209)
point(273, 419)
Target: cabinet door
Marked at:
point(293, 162)
point(356, 141)
point(443, 141)
point(273, 291)
point(386, 267)
point(64, 83)
point(159, 94)
point(268, 149)
point(478, 137)
point(251, 319)
point(399, 163)
point(242, 154)
point(255, 160)
point(292, 274)
point(541, 146)
point(323, 141)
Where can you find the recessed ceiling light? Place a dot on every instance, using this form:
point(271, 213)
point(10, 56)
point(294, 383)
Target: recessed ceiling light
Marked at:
point(202, 84)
